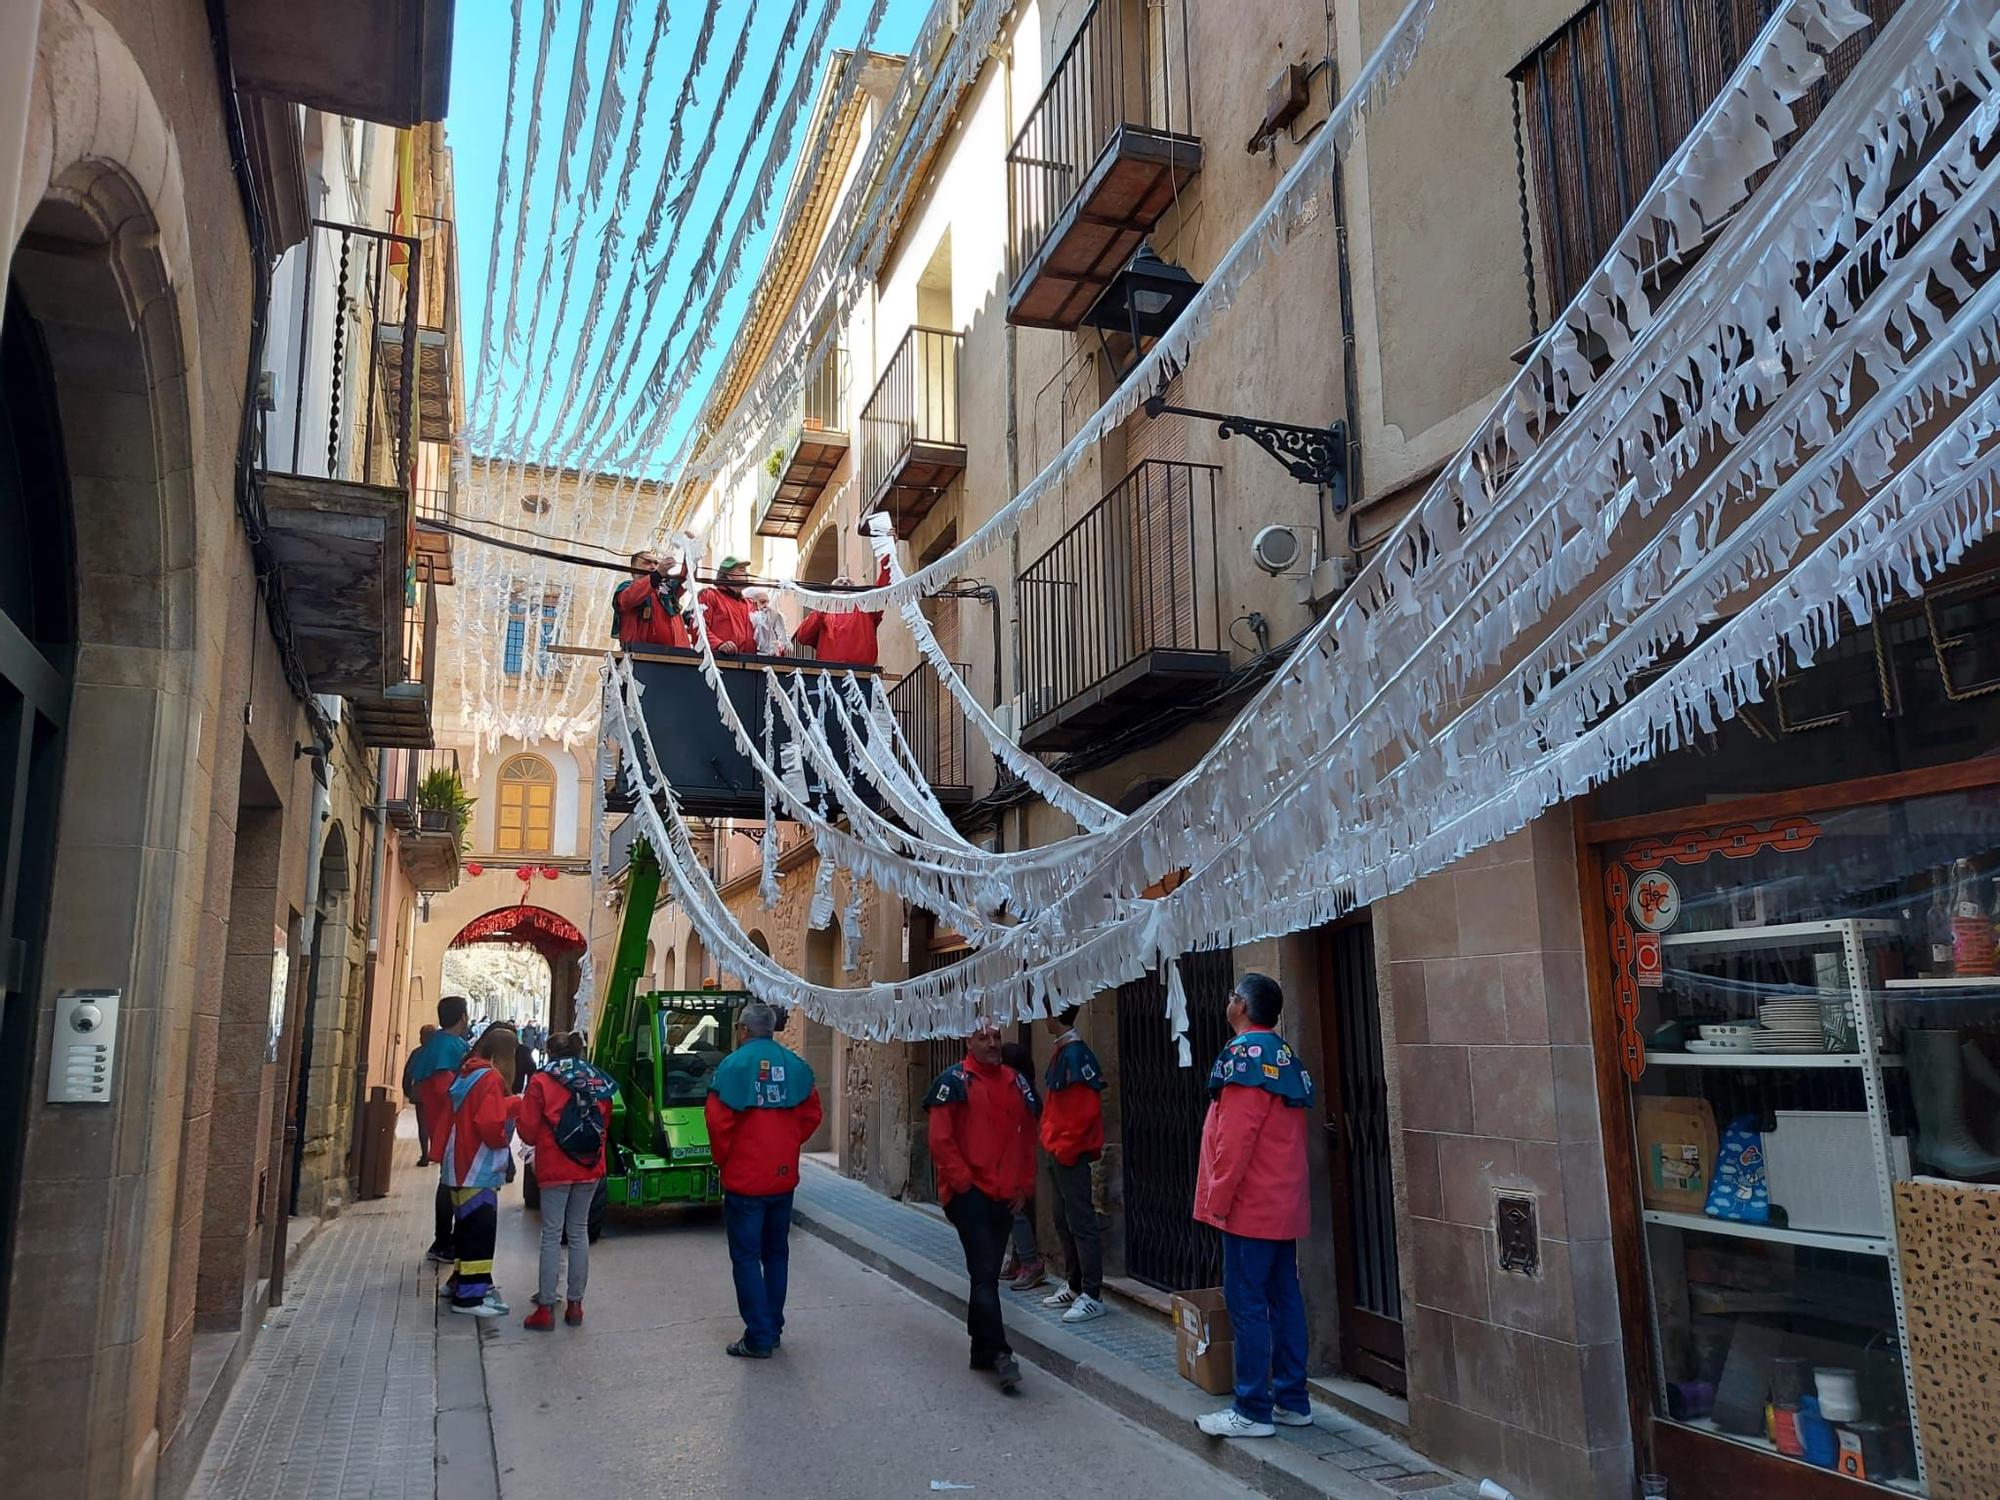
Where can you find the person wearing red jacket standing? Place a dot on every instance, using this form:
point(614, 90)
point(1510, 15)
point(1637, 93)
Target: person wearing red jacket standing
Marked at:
point(648, 604)
point(1073, 1137)
point(981, 1125)
point(725, 612)
point(762, 1107)
point(433, 1068)
point(1252, 1186)
point(569, 1163)
point(846, 638)
point(476, 1157)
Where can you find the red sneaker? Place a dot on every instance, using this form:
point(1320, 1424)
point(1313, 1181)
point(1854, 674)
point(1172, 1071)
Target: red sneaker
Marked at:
point(542, 1319)
point(573, 1314)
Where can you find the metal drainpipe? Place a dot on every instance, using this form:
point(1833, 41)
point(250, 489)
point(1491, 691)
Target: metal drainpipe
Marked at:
point(1348, 363)
point(1013, 472)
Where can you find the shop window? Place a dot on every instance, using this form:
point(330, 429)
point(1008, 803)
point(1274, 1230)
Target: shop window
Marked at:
point(526, 812)
point(1808, 1019)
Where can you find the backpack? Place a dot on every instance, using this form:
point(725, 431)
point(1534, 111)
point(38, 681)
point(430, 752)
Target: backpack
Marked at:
point(579, 1129)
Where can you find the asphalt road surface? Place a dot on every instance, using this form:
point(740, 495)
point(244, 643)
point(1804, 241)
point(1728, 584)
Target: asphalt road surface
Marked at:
point(869, 1399)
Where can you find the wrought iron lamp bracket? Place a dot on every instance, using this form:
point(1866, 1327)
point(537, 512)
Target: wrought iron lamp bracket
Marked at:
point(1311, 455)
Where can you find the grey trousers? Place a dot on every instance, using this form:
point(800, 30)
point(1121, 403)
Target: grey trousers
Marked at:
point(565, 1206)
point(1076, 1226)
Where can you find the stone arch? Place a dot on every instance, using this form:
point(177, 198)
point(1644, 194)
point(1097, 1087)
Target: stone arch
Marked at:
point(821, 564)
point(328, 1025)
point(694, 963)
point(104, 268)
point(815, 1039)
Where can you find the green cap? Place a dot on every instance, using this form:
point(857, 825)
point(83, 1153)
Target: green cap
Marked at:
point(730, 562)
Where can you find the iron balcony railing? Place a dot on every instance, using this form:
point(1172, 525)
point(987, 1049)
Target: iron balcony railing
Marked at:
point(420, 631)
point(1126, 65)
point(1136, 575)
point(1602, 103)
point(915, 401)
point(407, 770)
point(346, 406)
point(823, 398)
point(933, 723)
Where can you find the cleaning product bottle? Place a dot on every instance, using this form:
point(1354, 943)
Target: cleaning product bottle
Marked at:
point(1971, 924)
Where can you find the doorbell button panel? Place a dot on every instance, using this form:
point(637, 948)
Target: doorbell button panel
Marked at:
point(86, 1039)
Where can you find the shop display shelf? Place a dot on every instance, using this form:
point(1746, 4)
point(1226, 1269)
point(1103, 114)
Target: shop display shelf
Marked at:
point(1767, 1059)
point(1781, 932)
point(1988, 982)
point(1703, 1424)
point(1853, 1244)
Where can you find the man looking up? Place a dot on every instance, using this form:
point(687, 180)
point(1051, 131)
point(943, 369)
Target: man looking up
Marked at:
point(649, 604)
point(982, 1137)
point(762, 1107)
point(1252, 1186)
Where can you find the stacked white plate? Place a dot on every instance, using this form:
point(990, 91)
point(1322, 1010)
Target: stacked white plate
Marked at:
point(1790, 1026)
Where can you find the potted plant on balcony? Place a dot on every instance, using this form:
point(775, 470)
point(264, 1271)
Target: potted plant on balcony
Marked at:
point(775, 464)
point(443, 806)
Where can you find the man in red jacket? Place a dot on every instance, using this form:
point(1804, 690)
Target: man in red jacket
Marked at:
point(982, 1137)
point(847, 638)
point(762, 1107)
point(649, 604)
point(1073, 1137)
point(725, 612)
point(476, 1156)
point(433, 1068)
point(1252, 1186)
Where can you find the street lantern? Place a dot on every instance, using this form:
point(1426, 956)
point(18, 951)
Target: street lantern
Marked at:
point(1143, 301)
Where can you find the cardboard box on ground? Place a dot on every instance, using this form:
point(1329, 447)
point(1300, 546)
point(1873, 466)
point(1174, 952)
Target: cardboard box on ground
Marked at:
point(1204, 1341)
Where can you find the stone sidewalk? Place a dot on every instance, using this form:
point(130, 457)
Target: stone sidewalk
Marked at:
point(1125, 1359)
point(339, 1394)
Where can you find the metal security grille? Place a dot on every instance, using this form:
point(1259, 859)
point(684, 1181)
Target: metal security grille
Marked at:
point(1161, 1107)
point(1364, 1125)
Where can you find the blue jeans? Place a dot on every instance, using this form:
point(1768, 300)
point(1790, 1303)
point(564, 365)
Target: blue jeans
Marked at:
point(760, 1259)
point(1260, 1283)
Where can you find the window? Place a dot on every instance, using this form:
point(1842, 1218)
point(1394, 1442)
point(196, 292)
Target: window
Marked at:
point(514, 660)
point(527, 807)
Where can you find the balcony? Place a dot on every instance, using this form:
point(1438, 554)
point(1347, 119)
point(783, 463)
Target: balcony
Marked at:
point(399, 714)
point(1607, 98)
point(1120, 615)
point(1099, 160)
point(912, 447)
point(799, 472)
point(336, 451)
point(385, 60)
point(427, 839)
point(936, 730)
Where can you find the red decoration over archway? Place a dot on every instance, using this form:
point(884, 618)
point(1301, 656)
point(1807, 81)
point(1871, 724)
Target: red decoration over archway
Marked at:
point(549, 934)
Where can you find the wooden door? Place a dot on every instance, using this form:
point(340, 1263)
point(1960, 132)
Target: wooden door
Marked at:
point(1357, 1124)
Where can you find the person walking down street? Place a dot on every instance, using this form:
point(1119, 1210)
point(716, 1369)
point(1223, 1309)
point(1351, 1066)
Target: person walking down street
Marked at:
point(725, 612)
point(1073, 1137)
point(647, 606)
point(1023, 1270)
point(434, 1068)
point(762, 1108)
point(981, 1125)
point(484, 1108)
point(1252, 1186)
point(410, 1094)
point(565, 1120)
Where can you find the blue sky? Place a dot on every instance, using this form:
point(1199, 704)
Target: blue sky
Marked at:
point(480, 48)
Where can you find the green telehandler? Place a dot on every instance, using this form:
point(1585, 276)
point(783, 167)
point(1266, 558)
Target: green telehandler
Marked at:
point(661, 1048)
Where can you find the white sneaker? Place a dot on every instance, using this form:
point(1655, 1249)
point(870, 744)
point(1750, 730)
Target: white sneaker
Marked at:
point(1062, 1296)
point(493, 1300)
point(1084, 1309)
point(1292, 1418)
point(482, 1310)
point(1231, 1423)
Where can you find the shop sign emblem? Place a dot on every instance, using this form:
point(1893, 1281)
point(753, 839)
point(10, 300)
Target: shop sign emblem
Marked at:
point(1656, 900)
point(1647, 961)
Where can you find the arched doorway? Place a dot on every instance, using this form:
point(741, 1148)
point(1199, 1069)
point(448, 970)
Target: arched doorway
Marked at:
point(813, 1040)
point(37, 633)
point(548, 933)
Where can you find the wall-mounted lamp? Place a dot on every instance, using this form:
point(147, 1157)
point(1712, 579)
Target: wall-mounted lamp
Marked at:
point(1143, 301)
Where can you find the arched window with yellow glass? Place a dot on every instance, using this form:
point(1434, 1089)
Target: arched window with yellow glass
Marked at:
point(527, 807)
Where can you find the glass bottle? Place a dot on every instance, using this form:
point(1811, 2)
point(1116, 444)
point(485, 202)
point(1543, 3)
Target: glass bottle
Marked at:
point(1971, 926)
point(1937, 924)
